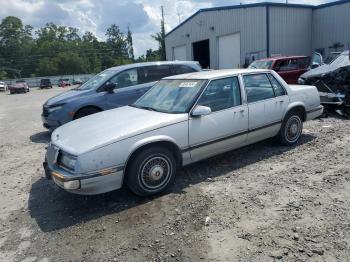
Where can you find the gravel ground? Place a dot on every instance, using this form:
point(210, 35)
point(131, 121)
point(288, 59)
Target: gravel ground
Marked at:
point(260, 203)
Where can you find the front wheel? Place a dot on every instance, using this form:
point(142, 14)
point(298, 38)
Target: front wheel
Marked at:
point(151, 171)
point(291, 130)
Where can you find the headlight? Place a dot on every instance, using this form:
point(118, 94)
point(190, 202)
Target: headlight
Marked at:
point(67, 161)
point(54, 108)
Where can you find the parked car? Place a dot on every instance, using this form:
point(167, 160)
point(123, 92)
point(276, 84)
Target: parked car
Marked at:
point(3, 86)
point(114, 87)
point(20, 86)
point(181, 120)
point(77, 81)
point(63, 82)
point(288, 67)
point(333, 83)
point(45, 83)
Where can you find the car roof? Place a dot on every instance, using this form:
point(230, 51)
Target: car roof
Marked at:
point(128, 66)
point(212, 74)
point(280, 58)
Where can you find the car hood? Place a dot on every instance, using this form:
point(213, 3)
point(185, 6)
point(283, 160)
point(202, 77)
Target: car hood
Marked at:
point(317, 71)
point(97, 130)
point(67, 96)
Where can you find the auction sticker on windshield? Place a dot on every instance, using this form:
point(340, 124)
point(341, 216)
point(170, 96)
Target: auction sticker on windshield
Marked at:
point(188, 84)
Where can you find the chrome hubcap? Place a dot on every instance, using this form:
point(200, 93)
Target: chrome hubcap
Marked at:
point(155, 172)
point(293, 128)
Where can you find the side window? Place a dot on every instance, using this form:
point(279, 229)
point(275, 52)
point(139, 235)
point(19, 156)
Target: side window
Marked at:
point(155, 73)
point(288, 65)
point(183, 69)
point(258, 87)
point(126, 78)
point(221, 94)
point(279, 90)
point(304, 63)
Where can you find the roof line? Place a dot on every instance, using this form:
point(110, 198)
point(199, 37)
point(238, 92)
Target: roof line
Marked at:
point(256, 5)
point(332, 4)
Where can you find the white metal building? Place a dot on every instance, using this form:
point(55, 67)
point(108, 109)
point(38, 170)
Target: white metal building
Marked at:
point(231, 36)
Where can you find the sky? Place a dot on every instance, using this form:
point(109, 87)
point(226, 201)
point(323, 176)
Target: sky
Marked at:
point(142, 16)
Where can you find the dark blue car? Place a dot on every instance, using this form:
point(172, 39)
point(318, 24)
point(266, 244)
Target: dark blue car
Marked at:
point(114, 87)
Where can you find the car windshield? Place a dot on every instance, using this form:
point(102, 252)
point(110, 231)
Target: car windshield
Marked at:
point(97, 80)
point(341, 60)
point(331, 58)
point(261, 64)
point(170, 96)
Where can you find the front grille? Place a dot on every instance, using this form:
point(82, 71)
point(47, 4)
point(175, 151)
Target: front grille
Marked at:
point(45, 111)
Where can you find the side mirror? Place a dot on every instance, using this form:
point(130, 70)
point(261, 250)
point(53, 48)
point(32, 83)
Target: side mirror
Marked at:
point(109, 87)
point(201, 111)
point(276, 69)
point(315, 65)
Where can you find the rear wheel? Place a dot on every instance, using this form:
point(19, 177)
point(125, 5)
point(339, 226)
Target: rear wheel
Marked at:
point(85, 112)
point(291, 130)
point(151, 171)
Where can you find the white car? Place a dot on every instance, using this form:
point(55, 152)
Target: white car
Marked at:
point(181, 120)
point(3, 86)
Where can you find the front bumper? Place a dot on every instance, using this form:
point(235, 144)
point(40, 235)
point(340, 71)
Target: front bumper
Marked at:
point(92, 183)
point(50, 123)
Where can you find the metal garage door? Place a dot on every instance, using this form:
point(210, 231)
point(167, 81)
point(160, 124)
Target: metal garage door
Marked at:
point(229, 50)
point(180, 53)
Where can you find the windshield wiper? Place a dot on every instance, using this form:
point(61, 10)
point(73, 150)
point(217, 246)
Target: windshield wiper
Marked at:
point(145, 107)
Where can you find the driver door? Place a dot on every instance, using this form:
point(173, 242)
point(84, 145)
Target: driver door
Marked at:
point(128, 89)
point(226, 127)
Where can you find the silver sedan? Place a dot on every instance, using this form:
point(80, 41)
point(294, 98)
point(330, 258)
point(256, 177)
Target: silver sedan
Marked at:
point(181, 120)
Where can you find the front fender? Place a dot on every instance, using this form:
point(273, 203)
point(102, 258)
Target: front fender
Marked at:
point(149, 140)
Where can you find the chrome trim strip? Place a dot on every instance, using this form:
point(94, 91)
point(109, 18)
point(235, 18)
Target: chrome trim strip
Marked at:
point(93, 174)
point(192, 147)
point(315, 110)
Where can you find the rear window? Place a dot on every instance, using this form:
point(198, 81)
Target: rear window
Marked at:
point(149, 74)
point(183, 69)
point(287, 65)
point(304, 63)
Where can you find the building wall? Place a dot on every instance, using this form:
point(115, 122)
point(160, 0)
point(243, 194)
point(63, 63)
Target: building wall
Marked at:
point(249, 22)
point(331, 24)
point(290, 30)
point(293, 30)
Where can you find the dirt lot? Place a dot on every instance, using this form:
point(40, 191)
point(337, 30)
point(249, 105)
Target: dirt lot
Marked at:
point(260, 203)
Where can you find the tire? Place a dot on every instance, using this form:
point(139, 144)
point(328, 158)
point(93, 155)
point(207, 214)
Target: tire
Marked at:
point(85, 112)
point(151, 171)
point(291, 129)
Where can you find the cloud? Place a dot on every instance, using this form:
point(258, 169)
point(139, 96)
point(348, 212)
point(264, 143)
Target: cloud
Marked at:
point(143, 16)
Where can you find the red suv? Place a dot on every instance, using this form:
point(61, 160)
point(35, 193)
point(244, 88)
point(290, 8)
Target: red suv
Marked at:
point(288, 67)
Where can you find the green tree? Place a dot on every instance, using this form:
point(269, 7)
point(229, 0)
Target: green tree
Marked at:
point(160, 38)
point(16, 43)
point(117, 42)
point(130, 45)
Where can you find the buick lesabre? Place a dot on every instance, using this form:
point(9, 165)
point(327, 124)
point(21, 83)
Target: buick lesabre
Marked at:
point(181, 120)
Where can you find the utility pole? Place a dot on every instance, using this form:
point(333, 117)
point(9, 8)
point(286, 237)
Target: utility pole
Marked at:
point(162, 13)
point(179, 16)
